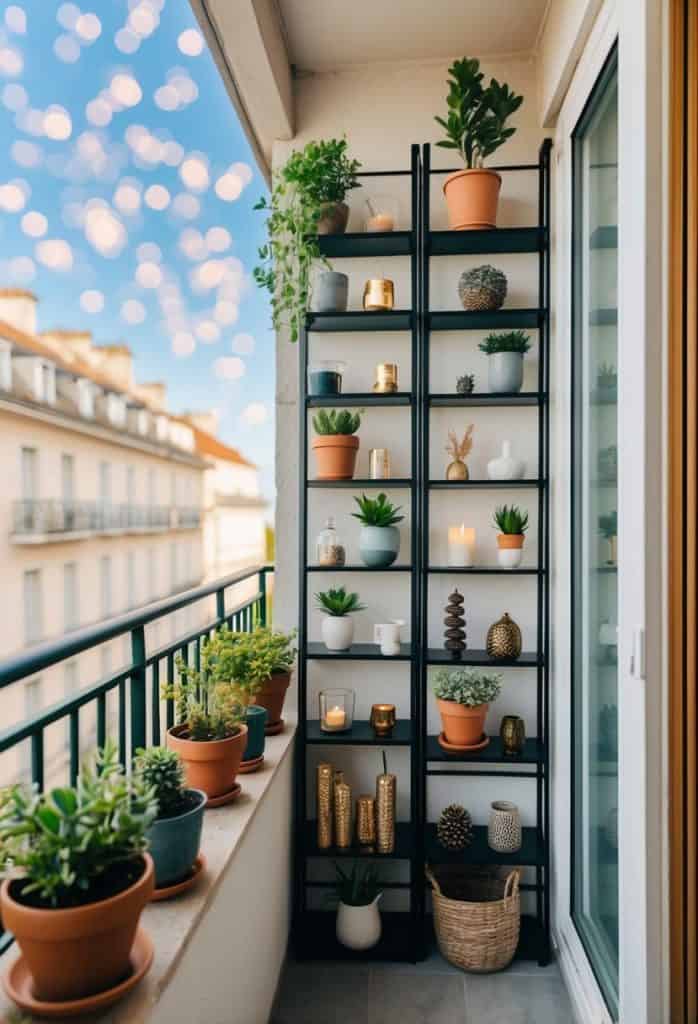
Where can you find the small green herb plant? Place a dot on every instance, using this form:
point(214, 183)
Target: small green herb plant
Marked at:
point(338, 602)
point(508, 341)
point(331, 422)
point(608, 524)
point(475, 124)
point(377, 512)
point(511, 519)
point(357, 887)
point(161, 771)
point(76, 844)
point(467, 686)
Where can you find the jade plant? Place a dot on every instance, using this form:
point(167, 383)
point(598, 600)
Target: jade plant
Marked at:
point(331, 422)
point(508, 341)
point(162, 772)
point(357, 887)
point(319, 174)
point(475, 124)
point(467, 686)
point(377, 512)
point(77, 844)
point(338, 603)
point(510, 519)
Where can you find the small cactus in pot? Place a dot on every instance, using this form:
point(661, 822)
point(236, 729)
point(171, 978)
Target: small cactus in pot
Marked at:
point(465, 385)
point(482, 288)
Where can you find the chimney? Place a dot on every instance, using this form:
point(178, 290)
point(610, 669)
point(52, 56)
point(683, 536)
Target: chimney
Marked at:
point(18, 308)
point(205, 419)
point(116, 363)
point(153, 394)
point(69, 344)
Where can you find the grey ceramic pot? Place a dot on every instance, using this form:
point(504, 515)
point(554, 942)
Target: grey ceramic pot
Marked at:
point(379, 545)
point(505, 372)
point(333, 219)
point(175, 842)
point(331, 292)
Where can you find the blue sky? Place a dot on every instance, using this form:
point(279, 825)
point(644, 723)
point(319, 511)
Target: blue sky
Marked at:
point(126, 195)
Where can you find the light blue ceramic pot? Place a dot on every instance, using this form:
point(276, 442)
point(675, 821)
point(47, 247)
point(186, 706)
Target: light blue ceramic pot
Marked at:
point(256, 720)
point(175, 842)
point(379, 545)
point(505, 372)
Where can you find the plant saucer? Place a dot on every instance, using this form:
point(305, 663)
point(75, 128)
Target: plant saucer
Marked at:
point(275, 728)
point(19, 984)
point(225, 798)
point(451, 748)
point(251, 766)
point(167, 892)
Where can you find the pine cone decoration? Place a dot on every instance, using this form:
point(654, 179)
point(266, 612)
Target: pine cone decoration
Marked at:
point(465, 385)
point(455, 625)
point(455, 828)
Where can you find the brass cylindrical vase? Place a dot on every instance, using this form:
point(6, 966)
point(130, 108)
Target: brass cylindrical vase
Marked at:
point(325, 788)
point(382, 719)
point(379, 294)
point(342, 815)
point(512, 733)
point(379, 464)
point(386, 791)
point(386, 378)
point(366, 821)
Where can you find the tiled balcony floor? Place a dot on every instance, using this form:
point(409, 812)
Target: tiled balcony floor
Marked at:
point(432, 992)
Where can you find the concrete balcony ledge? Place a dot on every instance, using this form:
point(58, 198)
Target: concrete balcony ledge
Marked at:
point(219, 949)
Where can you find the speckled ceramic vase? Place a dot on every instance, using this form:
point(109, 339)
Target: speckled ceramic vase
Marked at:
point(504, 827)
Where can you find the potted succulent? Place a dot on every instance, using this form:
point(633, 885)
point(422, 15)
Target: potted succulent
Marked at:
point(357, 893)
point(336, 445)
point(512, 523)
point(337, 625)
point(211, 734)
point(608, 526)
point(607, 383)
point(482, 289)
point(78, 877)
point(380, 537)
point(463, 697)
point(307, 199)
point(475, 126)
point(505, 364)
point(175, 835)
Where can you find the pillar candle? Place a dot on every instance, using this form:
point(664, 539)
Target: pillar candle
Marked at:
point(461, 546)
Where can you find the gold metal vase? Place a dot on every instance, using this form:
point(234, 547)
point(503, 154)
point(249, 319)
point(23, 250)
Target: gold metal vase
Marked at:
point(342, 815)
point(366, 821)
point(382, 719)
point(386, 795)
point(512, 733)
point(457, 470)
point(504, 639)
point(325, 788)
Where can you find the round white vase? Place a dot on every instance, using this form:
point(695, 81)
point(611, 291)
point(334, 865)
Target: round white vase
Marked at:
point(505, 467)
point(359, 927)
point(337, 632)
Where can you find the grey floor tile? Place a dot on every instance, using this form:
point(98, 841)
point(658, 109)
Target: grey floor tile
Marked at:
point(510, 998)
point(319, 993)
point(396, 997)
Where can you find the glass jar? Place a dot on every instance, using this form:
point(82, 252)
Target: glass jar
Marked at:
point(336, 710)
point(325, 377)
point(329, 550)
point(381, 213)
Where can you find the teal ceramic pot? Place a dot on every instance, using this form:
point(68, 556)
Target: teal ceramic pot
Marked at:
point(175, 842)
point(256, 720)
point(379, 545)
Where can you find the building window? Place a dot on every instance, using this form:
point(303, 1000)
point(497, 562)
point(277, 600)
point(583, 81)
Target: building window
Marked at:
point(152, 487)
point(33, 610)
point(86, 398)
point(5, 366)
point(105, 586)
point(131, 597)
point(104, 483)
point(47, 387)
point(130, 485)
point(71, 597)
point(30, 474)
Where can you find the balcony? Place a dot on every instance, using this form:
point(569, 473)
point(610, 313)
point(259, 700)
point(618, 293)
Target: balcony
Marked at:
point(49, 520)
point(187, 518)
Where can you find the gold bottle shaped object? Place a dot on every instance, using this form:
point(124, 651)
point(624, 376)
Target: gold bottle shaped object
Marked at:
point(386, 792)
point(325, 795)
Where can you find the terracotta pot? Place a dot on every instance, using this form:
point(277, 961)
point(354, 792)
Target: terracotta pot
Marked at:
point(75, 953)
point(333, 219)
point(335, 456)
point(272, 696)
point(510, 540)
point(471, 199)
point(463, 726)
point(210, 765)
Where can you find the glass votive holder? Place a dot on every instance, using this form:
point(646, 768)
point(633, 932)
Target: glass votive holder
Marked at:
point(336, 710)
point(381, 213)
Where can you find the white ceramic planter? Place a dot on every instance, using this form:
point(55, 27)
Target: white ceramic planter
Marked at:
point(509, 558)
point(359, 927)
point(505, 467)
point(505, 372)
point(337, 632)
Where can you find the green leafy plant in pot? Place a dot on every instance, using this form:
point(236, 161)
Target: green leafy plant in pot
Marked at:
point(505, 363)
point(475, 126)
point(337, 625)
point(357, 892)
point(78, 877)
point(175, 835)
point(463, 697)
point(380, 536)
point(336, 445)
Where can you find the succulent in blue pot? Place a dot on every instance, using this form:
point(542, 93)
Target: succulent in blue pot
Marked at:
point(380, 536)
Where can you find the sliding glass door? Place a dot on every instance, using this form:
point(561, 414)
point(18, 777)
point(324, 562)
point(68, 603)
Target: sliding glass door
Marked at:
point(594, 532)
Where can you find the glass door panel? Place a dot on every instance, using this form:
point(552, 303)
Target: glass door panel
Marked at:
point(594, 530)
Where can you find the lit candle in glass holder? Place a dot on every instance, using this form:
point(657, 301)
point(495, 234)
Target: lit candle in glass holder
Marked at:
point(336, 710)
point(461, 546)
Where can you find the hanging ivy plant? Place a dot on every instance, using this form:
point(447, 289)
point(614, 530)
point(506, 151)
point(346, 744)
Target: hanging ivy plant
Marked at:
point(318, 175)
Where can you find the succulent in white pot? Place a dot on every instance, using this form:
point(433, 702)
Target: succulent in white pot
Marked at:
point(337, 625)
point(357, 893)
point(512, 523)
point(380, 536)
point(506, 352)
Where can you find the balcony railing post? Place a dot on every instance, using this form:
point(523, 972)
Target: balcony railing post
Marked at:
point(220, 606)
point(138, 690)
point(263, 598)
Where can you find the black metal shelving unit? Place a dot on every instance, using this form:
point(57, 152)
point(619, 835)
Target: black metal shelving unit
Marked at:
point(405, 934)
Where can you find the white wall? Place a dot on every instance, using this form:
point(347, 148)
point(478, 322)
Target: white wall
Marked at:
point(561, 42)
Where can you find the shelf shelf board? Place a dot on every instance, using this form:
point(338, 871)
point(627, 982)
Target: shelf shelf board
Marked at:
point(603, 317)
point(599, 397)
point(361, 320)
point(462, 320)
point(360, 244)
point(532, 850)
point(437, 656)
point(404, 844)
point(360, 568)
point(486, 399)
point(357, 398)
point(357, 652)
point(317, 940)
point(448, 485)
point(386, 485)
point(533, 753)
point(604, 237)
point(488, 240)
point(484, 570)
point(360, 734)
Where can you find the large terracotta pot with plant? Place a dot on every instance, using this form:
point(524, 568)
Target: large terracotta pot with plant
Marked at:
point(475, 126)
point(335, 446)
point(77, 884)
point(463, 698)
point(271, 696)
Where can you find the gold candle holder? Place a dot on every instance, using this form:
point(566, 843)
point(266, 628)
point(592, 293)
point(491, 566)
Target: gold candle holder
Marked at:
point(366, 821)
point(386, 378)
point(325, 788)
point(382, 719)
point(379, 464)
point(342, 815)
point(379, 294)
point(386, 791)
point(512, 733)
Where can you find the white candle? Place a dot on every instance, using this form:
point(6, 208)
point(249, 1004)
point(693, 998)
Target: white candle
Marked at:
point(335, 718)
point(461, 546)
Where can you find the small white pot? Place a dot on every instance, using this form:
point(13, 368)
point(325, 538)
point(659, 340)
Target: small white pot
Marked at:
point(509, 558)
point(359, 927)
point(337, 632)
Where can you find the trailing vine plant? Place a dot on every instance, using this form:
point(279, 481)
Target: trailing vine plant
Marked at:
point(319, 175)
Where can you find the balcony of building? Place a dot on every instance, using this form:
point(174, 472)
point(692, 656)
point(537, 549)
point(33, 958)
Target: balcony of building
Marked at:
point(46, 521)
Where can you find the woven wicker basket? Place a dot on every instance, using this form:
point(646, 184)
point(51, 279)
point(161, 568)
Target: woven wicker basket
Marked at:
point(477, 923)
point(480, 299)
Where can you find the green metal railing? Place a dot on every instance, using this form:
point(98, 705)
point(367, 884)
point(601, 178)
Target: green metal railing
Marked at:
point(142, 715)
